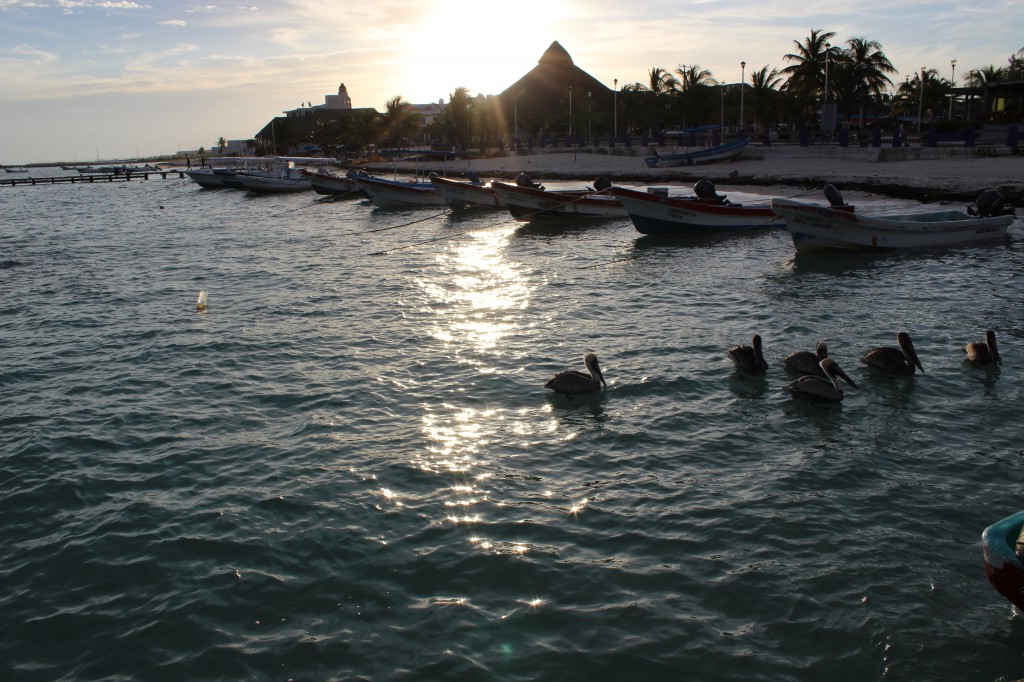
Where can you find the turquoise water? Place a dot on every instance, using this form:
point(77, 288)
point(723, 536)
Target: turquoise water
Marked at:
point(347, 466)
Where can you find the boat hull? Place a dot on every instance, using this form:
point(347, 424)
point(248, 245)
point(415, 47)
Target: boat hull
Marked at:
point(206, 178)
point(398, 194)
point(460, 195)
point(1002, 565)
point(820, 228)
point(723, 152)
point(528, 203)
point(654, 214)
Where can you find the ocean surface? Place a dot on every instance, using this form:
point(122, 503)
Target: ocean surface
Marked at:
point(347, 467)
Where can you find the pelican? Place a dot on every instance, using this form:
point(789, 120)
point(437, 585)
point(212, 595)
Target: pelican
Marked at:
point(984, 352)
point(897, 361)
point(806, 362)
point(818, 389)
point(749, 359)
point(571, 382)
point(809, 364)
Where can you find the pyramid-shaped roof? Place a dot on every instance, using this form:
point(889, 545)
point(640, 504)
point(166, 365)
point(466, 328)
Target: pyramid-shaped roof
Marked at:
point(554, 74)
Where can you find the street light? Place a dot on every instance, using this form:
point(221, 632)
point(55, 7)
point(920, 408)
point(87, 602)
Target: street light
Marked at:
point(570, 116)
point(824, 107)
point(590, 132)
point(743, 78)
point(952, 84)
point(920, 102)
point(615, 105)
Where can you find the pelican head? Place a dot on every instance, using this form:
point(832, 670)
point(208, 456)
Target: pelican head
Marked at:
point(590, 360)
point(821, 350)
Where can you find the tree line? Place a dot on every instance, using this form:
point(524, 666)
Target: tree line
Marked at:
point(855, 77)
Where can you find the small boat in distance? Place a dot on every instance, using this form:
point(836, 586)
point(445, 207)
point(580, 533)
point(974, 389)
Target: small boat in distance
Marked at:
point(13, 169)
point(816, 227)
point(720, 152)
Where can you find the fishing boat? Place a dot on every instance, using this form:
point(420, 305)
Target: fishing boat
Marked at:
point(472, 193)
point(399, 193)
point(656, 213)
point(210, 178)
point(1003, 566)
point(329, 183)
point(721, 152)
point(286, 179)
point(527, 201)
point(12, 169)
point(816, 227)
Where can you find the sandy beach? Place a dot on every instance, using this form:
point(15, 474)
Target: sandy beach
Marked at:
point(922, 173)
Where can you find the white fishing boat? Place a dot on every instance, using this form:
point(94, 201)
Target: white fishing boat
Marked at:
point(286, 179)
point(209, 177)
point(12, 169)
point(526, 202)
point(471, 193)
point(329, 183)
point(816, 227)
point(656, 213)
point(399, 193)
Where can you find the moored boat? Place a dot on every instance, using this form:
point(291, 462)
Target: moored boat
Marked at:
point(527, 201)
point(328, 183)
point(816, 227)
point(657, 214)
point(471, 193)
point(1003, 565)
point(287, 179)
point(398, 193)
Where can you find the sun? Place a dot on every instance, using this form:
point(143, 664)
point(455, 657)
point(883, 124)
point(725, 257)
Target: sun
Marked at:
point(466, 43)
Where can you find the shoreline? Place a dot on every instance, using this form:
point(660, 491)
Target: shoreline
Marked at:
point(920, 173)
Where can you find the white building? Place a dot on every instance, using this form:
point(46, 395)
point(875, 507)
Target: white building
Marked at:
point(332, 102)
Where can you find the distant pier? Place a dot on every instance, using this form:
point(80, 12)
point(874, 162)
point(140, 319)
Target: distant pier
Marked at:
point(91, 177)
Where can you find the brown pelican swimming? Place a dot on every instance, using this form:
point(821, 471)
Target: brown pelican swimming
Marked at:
point(749, 359)
point(819, 389)
point(897, 361)
point(806, 362)
point(809, 364)
point(984, 352)
point(572, 383)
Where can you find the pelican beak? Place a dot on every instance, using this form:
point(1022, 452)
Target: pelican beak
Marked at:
point(842, 375)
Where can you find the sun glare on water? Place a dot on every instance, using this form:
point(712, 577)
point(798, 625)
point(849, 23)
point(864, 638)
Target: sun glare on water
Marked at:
point(480, 46)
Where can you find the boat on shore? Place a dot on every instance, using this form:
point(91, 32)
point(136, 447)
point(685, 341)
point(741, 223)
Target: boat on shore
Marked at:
point(472, 193)
point(1002, 547)
point(721, 152)
point(527, 201)
point(398, 193)
point(820, 228)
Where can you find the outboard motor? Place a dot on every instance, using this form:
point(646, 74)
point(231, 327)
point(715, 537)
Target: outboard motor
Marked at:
point(473, 177)
point(705, 189)
point(835, 198)
point(990, 203)
point(601, 183)
point(524, 180)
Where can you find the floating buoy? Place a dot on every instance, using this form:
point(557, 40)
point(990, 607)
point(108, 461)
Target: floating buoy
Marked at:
point(201, 302)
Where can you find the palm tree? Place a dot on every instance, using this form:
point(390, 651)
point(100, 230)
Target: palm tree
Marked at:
point(455, 121)
point(863, 74)
point(401, 122)
point(806, 75)
point(696, 92)
point(764, 86)
point(660, 86)
point(985, 77)
point(221, 145)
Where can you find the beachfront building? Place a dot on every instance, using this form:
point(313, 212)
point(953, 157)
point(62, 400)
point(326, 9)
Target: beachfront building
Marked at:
point(339, 102)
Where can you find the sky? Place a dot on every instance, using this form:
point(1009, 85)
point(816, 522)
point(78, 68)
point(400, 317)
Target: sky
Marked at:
point(82, 80)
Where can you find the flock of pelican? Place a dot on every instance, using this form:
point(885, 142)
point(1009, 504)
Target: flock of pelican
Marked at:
point(820, 374)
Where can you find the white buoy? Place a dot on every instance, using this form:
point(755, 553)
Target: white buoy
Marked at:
point(201, 302)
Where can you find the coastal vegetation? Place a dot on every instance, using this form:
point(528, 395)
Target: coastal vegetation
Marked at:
point(852, 79)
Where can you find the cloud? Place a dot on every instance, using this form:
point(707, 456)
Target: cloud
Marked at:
point(174, 22)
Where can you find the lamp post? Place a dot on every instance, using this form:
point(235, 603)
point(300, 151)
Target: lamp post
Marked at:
point(515, 115)
point(615, 106)
point(743, 78)
point(920, 102)
point(570, 117)
point(952, 84)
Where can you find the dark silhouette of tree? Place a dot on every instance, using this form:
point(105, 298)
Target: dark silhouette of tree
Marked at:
point(401, 122)
point(805, 76)
point(764, 93)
